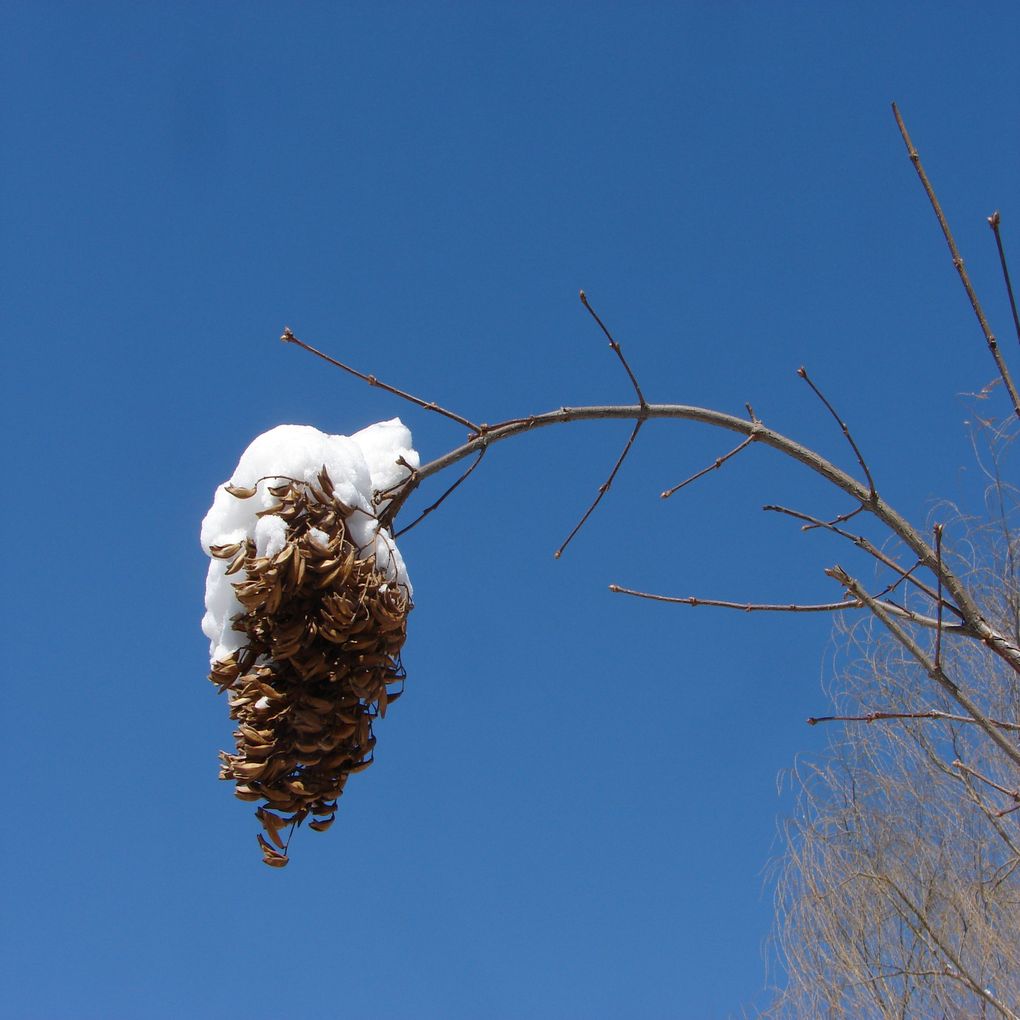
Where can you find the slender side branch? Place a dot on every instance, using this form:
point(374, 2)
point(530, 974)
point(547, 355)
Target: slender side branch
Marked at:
point(993, 222)
point(1015, 794)
point(934, 713)
point(863, 543)
point(838, 519)
point(1006, 869)
point(642, 403)
point(802, 372)
point(937, 674)
point(616, 347)
point(747, 607)
point(603, 488)
point(793, 607)
point(938, 601)
point(993, 345)
point(439, 502)
point(717, 463)
point(288, 338)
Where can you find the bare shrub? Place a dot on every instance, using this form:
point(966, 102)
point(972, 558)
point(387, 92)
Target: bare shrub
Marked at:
point(899, 893)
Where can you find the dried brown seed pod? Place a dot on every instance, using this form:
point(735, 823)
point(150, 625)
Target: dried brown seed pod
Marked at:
point(324, 630)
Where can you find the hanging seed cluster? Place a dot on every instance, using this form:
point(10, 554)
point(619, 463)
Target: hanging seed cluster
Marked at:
point(324, 630)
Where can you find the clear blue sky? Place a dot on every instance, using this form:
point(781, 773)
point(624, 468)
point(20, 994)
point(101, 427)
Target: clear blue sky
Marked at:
point(573, 806)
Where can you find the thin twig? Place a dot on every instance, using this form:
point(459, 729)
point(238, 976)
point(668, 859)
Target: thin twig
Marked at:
point(802, 372)
point(904, 575)
point(438, 502)
point(1015, 794)
point(938, 601)
point(747, 607)
point(288, 338)
point(616, 347)
point(993, 222)
point(993, 345)
point(642, 414)
point(932, 714)
point(718, 463)
point(986, 810)
point(863, 543)
point(603, 488)
point(797, 607)
point(838, 519)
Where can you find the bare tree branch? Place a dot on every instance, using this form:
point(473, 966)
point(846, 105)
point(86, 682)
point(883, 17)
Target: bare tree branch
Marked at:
point(993, 222)
point(793, 607)
point(642, 404)
point(747, 607)
point(616, 347)
point(993, 344)
point(439, 502)
point(603, 488)
point(862, 543)
point(288, 338)
point(802, 372)
point(871, 717)
point(717, 463)
point(487, 434)
point(938, 600)
point(838, 519)
point(1015, 794)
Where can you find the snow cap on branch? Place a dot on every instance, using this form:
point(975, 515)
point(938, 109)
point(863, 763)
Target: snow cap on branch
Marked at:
point(360, 466)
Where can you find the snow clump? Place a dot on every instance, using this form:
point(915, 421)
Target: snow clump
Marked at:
point(371, 461)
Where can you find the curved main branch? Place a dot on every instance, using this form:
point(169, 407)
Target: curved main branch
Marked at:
point(755, 430)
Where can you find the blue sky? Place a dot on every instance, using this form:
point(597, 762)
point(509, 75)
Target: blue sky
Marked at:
point(573, 806)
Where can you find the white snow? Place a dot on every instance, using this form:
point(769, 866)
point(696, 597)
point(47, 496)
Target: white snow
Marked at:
point(320, 538)
point(358, 465)
point(270, 535)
